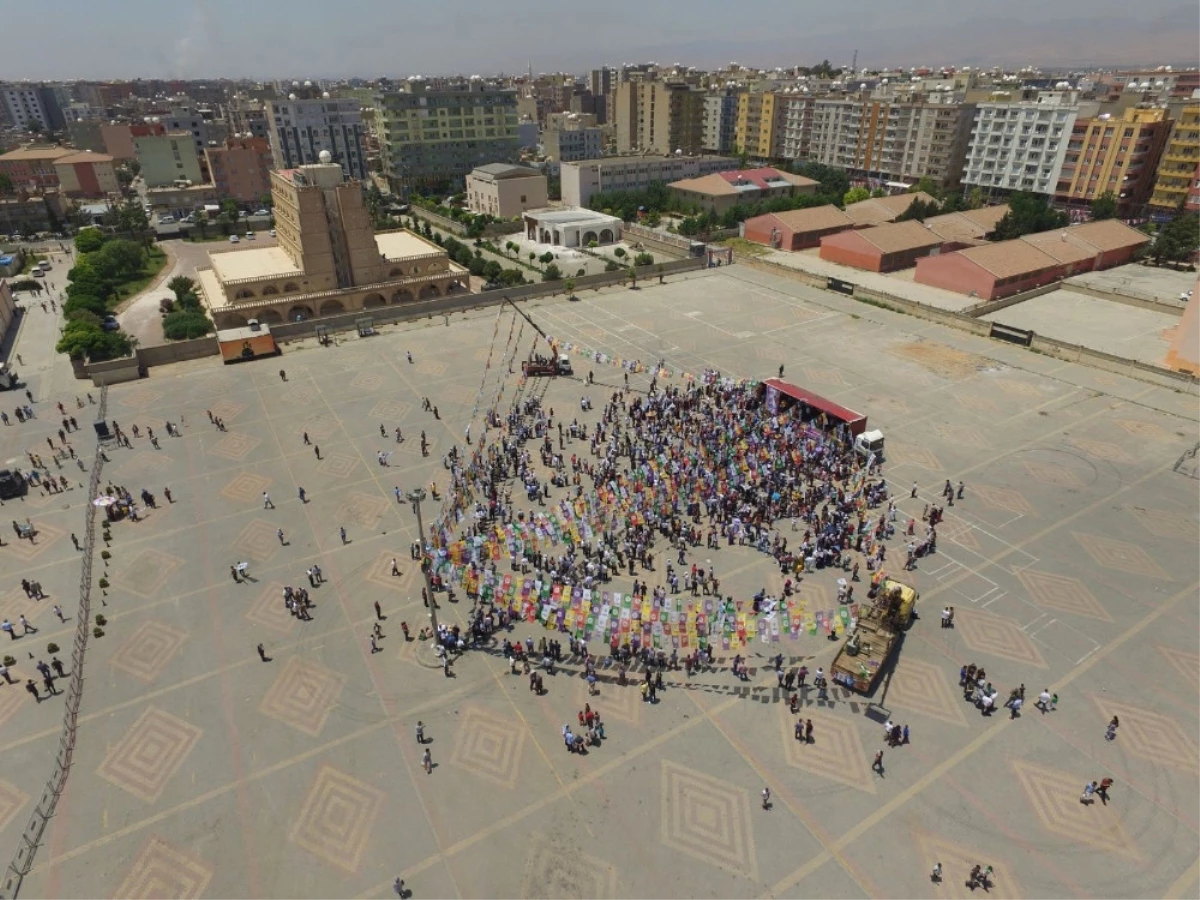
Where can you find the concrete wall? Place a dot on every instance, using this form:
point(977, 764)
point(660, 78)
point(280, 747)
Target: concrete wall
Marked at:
point(458, 228)
point(113, 371)
point(177, 351)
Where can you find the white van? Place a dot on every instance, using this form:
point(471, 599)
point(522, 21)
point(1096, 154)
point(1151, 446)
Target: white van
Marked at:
point(870, 443)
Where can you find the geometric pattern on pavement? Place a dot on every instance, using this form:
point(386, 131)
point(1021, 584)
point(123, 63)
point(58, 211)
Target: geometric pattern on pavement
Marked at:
point(708, 819)
point(367, 381)
point(1101, 450)
point(235, 446)
point(362, 510)
point(987, 633)
point(490, 746)
point(390, 410)
point(1146, 430)
point(148, 650)
point(268, 609)
point(10, 702)
point(431, 367)
point(1149, 735)
point(461, 394)
point(1053, 475)
point(226, 409)
point(1161, 523)
point(143, 463)
point(916, 456)
point(1054, 796)
point(924, 688)
point(338, 465)
point(1119, 555)
point(553, 871)
point(164, 870)
point(303, 695)
point(961, 532)
point(1185, 663)
point(612, 701)
point(1005, 499)
point(258, 540)
point(1062, 593)
point(150, 753)
point(246, 486)
point(963, 436)
point(139, 398)
point(836, 751)
point(11, 801)
point(380, 571)
point(957, 862)
point(825, 375)
point(301, 396)
point(26, 551)
point(337, 817)
point(148, 572)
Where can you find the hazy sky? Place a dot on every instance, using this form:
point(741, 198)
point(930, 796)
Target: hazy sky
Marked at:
point(306, 38)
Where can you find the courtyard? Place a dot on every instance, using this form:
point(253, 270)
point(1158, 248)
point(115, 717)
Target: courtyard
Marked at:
point(202, 771)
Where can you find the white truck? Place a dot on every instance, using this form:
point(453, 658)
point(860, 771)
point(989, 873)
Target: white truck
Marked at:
point(870, 442)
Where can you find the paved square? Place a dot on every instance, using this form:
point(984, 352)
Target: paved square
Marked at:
point(202, 771)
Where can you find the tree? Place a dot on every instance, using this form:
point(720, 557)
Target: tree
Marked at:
point(492, 270)
point(855, 195)
point(134, 166)
point(546, 258)
point(592, 245)
point(834, 182)
point(643, 259)
point(6, 184)
point(186, 324)
point(181, 285)
point(532, 256)
point(620, 253)
point(928, 186)
point(975, 198)
point(89, 240)
point(551, 273)
point(1028, 213)
point(85, 340)
point(569, 286)
point(201, 221)
point(918, 210)
point(1105, 206)
point(632, 273)
point(230, 208)
point(1178, 240)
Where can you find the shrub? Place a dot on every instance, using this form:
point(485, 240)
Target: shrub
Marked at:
point(101, 620)
point(643, 259)
point(103, 584)
point(98, 632)
point(185, 324)
point(105, 555)
point(52, 647)
point(551, 273)
point(9, 661)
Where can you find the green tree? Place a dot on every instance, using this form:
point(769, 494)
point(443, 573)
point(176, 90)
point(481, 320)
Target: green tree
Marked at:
point(492, 270)
point(551, 273)
point(918, 210)
point(833, 182)
point(855, 195)
point(89, 240)
point(546, 258)
point(532, 256)
point(569, 286)
point(1178, 240)
point(181, 285)
point(643, 259)
point(134, 166)
point(1105, 206)
point(928, 186)
point(230, 209)
point(6, 184)
point(186, 324)
point(85, 340)
point(1028, 213)
point(201, 222)
point(975, 198)
point(620, 253)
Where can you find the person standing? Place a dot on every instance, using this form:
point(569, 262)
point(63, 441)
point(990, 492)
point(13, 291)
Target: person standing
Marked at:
point(57, 610)
point(1015, 707)
point(427, 761)
point(262, 653)
point(267, 504)
point(342, 533)
point(1110, 733)
point(766, 798)
point(1102, 790)
point(420, 732)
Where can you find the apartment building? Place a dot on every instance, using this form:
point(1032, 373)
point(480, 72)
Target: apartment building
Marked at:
point(33, 106)
point(32, 168)
point(168, 158)
point(580, 180)
point(570, 139)
point(659, 117)
point(249, 116)
point(1178, 177)
point(759, 128)
point(431, 139)
point(302, 127)
point(1021, 145)
point(799, 108)
point(87, 174)
point(1117, 154)
point(241, 168)
point(601, 83)
point(720, 120)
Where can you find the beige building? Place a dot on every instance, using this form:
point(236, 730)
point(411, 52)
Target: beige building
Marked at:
point(329, 260)
point(582, 179)
point(724, 190)
point(241, 168)
point(1117, 155)
point(87, 174)
point(505, 191)
point(659, 117)
point(1178, 175)
point(760, 124)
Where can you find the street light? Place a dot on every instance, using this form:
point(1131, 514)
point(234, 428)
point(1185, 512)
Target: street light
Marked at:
point(415, 496)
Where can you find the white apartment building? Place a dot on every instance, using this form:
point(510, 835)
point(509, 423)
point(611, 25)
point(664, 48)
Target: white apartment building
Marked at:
point(1021, 145)
point(580, 180)
point(797, 115)
point(720, 121)
point(31, 104)
point(300, 129)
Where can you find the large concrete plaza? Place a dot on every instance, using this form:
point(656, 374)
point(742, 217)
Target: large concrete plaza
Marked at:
point(201, 771)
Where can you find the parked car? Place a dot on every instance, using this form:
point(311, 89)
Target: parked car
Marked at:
point(271, 232)
point(233, 239)
point(250, 235)
point(263, 212)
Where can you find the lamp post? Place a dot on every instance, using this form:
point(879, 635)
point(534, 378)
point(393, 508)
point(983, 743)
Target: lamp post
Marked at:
point(415, 496)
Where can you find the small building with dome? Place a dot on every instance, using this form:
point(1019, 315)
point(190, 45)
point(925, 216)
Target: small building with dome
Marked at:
point(329, 260)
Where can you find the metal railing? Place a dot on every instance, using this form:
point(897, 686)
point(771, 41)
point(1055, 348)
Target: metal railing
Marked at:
point(43, 810)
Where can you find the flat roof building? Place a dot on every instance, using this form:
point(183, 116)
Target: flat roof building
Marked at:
point(32, 168)
point(506, 191)
point(572, 227)
point(583, 178)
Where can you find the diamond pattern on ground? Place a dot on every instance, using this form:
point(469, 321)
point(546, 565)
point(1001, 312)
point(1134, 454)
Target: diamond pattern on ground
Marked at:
point(318, 428)
point(338, 465)
point(489, 746)
point(1185, 663)
point(227, 409)
point(10, 702)
point(143, 462)
point(1062, 593)
point(900, 453)
point(47, 536)
point(961, 532)
point(431, 367)
point(337, 817)
point(957, 860)
point(362, 510)
point(245, 487)
point(1144, 430)
point(390, 411)
point(987, 633)
point(164, 870)
point(1119, 555)
point(1054, 797)
point(139, 398)
point(1052, 475)
point(1166, 524)
point(708, 819)
point(612, 701)
point(367, 381)
point(836, 752)
point(258, 541)
point(1006, 499)
point(268, 610)
point(299, 396)
point(1149, 735)
point(303, 695)
point(462, 394)
point(148, 572)
point(149, 754)
point(11, 801)
point(824, 375)
point(148, 650)
point(555, 870)
point(1101, 450)
point(235, 446)
point(924, 688)
point(380, 572)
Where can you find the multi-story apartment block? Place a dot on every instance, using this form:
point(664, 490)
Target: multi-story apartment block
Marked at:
point(580, 180)
point(300, 128)
point(189, 120)
point(241, 168)
point(759, 129)
point(32, 168)
point(720, 120)
point(87, 174)
point(659, 117)
point(30, 105)
point(1114, 154)
point(431, 139)
point(1163, 83)
point(1021, 145)
point(168, 158)
point(601, 83)
point(798, 113)
point(249, 116)
point(1179, 169)
point(568, 137)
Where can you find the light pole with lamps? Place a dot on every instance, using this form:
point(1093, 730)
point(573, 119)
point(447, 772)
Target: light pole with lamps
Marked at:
point(415, 496)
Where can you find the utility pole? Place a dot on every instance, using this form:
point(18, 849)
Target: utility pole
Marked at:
point(415, 496)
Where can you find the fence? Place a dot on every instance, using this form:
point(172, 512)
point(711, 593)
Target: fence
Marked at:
point(43, 810)
point(495, 229)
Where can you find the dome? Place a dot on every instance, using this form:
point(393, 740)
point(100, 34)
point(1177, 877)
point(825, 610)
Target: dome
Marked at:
point(291, 96)
point(295, 84)
point(325, 157)
point(308, 84)
point(325, 95)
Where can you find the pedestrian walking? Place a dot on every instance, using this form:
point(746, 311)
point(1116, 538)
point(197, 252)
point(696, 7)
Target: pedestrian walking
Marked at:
point(427, 761)
point(1110, 733)
point(395, 566)
point(4, 674)
point(25, 625)
point(75, 541)
point(1015, 707)
point(57, 665)
point(1089, 791)
point(374, 644)
point(262, 653)
point(303, 495)
point(279, 534)
point(33, 689)
point(877, 766)
point(398, 887)
point(420, 732)
point(914, 495)
point(766, 798)
point(1102, 789)
point(936, 875)
point(234, 572)
point(57, 610)
point(342, 532)
point(267, 504)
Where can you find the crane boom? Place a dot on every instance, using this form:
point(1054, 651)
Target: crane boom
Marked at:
point(536, 327)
